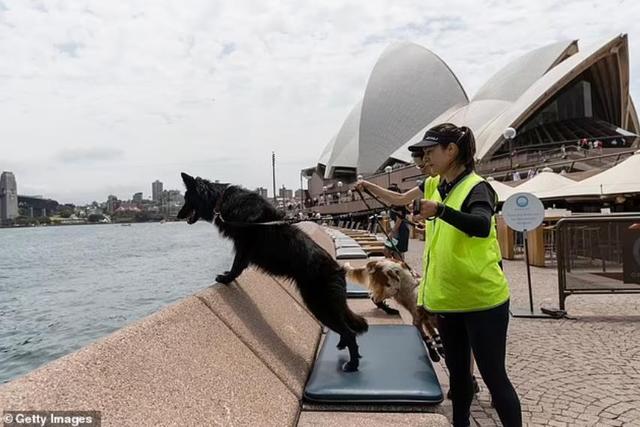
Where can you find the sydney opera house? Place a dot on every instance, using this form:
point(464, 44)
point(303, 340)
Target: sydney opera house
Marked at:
point(560, 98)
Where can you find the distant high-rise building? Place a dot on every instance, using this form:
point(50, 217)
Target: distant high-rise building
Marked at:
point(137, 198)
point(8, 197)
point(285, 193)
point(156, 191)
point(262, 191)
point(171, 201)
point(112, 204)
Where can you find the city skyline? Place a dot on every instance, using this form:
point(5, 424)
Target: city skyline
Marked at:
point(132, 196)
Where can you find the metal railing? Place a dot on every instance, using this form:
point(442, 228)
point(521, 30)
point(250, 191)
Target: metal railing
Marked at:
point(502, 168)
point(598, 255)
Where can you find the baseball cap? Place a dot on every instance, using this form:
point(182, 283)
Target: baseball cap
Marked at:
point(432, 138)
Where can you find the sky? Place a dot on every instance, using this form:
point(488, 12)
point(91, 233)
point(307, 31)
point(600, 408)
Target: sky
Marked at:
point(104, 97)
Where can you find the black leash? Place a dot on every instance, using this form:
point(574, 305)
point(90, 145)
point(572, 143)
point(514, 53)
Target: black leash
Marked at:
point(254, 224)
point(218, 215)
point(395, 248)
point(389, 207)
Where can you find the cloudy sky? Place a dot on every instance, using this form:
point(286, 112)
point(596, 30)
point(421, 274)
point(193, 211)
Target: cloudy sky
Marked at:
point(104, 97)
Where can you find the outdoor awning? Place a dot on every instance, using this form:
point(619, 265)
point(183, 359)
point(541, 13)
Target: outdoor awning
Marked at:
point(623, 178)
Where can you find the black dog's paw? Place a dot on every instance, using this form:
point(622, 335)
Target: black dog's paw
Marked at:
point(341, 345)
point(350, 366)
point(225, 278)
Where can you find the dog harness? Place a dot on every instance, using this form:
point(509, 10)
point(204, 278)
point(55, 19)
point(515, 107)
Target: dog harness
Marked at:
point(218, 215)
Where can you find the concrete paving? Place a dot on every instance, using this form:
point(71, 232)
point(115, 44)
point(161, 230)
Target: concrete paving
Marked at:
point(583, 371)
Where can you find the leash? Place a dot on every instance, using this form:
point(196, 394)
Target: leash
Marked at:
point(218, 215)
point(395, 248)
point(389, 207)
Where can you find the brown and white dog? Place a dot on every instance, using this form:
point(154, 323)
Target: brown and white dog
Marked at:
point(390, 278)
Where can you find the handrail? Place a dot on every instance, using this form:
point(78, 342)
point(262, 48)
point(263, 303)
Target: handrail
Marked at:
point(599, 218)
point(563, 258)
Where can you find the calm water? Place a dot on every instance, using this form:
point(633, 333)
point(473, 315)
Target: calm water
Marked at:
point(63, 287)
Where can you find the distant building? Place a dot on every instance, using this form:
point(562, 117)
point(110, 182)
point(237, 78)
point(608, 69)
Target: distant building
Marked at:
point(300, 192)
point(156, 191)
point(36, 206)
point(8, 198)
point(137, 198)
point(112, 204)
point(285, 193)
point(171, 202)
point(262, 191)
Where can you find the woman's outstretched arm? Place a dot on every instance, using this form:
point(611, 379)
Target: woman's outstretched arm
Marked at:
point(391, 197)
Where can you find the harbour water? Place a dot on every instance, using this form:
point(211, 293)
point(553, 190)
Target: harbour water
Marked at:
point(63, 287)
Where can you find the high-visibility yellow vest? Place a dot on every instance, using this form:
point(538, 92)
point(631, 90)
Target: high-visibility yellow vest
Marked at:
point(430, 185)
point(461, 273)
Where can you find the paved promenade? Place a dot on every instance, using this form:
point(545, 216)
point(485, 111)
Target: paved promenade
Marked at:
point(583, 371)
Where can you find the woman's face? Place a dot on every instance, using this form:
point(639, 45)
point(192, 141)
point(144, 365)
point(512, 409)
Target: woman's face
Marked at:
point(440, 158)
point(422, 164)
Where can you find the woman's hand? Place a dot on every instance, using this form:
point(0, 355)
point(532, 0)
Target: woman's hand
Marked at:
point(361, 185)
point(428, 209)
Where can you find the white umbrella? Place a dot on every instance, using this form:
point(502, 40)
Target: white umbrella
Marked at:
point(547, 180)
point(503, 190)
point(620, 179)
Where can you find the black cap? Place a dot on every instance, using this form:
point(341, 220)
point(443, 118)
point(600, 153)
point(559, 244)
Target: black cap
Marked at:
point(432, 138)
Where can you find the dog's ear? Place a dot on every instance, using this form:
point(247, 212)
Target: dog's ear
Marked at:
point(189, 181)
point(371, 266)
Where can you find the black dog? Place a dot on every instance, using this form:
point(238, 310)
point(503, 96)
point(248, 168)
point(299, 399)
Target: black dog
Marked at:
point(280, 250)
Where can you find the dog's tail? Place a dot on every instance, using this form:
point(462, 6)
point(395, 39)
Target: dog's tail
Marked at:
point(357, 323)
point(358, 275)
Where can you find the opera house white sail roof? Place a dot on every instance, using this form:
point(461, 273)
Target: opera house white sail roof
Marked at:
point(408, 86)
point(411, 89)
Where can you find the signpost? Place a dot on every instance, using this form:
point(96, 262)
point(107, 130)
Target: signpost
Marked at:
point(524, 212)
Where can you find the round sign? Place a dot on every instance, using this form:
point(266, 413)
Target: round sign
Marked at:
point(523, 211)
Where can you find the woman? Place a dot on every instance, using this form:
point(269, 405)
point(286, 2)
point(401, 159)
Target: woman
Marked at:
point(463, 281)
point(400, 231)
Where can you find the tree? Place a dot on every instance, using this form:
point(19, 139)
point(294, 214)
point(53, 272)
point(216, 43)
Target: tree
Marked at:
point(142, 217)
point(95, 218)
point(65, 212)
point(43, 220)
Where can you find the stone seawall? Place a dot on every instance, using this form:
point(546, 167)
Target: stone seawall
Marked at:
point(228, 355)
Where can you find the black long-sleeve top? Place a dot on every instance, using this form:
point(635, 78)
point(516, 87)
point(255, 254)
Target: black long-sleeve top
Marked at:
point(474, 216)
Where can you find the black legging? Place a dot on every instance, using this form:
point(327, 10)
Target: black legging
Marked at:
point(484, 332)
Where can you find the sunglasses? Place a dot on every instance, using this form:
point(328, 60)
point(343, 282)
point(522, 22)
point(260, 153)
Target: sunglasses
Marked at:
point(418, 159)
